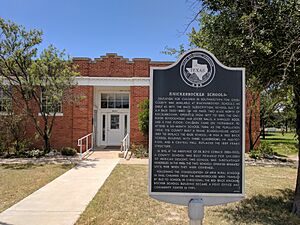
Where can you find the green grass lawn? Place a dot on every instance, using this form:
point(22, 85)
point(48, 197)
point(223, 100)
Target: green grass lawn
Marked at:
point(284, 145)
point(123, 199)
point(19, 180)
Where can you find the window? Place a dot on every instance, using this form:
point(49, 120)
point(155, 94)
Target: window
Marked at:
point(125, 125)
point(114, 122)
point(49, 104)
point(5, 101)
point(115, 100)
point(103, 127)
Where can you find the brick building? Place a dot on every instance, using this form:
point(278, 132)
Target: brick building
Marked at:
point(112, 87)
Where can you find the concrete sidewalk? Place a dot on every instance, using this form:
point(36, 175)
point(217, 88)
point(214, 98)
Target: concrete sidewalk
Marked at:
point(63, 200)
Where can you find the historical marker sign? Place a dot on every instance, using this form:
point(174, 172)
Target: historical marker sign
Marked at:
point(197, 131)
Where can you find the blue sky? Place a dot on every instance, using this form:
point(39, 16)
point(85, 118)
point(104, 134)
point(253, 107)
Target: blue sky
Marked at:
point(91, 28)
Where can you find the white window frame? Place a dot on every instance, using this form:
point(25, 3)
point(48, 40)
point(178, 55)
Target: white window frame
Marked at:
point(107, 102)
point(3, 98)
point(44, 98)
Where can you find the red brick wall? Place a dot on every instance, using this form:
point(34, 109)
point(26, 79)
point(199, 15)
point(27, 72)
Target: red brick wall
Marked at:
point(75, 122)
point(77, 118)
point(112, 65)
point(253, 109)
point(137, 95)
point(82, 114)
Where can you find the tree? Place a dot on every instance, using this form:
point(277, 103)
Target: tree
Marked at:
point(40, 82)
point(261, 35)
point(143, 117)
point(13, 133)
point(287, 113)
point(272, 101)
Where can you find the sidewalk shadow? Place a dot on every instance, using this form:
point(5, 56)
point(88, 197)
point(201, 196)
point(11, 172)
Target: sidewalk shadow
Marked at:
point(85, 164)
point(26, 166)
point(3, 223)
point(261, 209)
point(20, 166)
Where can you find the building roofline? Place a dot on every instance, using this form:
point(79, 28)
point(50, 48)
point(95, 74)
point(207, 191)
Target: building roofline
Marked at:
point(162, 62)
point(115, 55)
point(81, 59)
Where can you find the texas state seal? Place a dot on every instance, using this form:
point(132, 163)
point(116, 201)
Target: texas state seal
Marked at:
point(197, 69)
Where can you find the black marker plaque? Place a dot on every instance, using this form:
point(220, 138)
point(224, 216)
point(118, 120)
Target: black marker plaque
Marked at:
point(196, 140)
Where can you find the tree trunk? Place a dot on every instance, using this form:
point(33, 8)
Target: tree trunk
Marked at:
point(47, 146)
point(296, 205)
point(250, 131)
point(263, 130)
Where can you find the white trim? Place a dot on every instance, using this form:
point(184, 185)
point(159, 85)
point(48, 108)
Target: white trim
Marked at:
point(244, 128)
point(2, 113)
point(107, 111)
point(52, 114)
point(112, 81)
point(99, 141)
point(150, 132)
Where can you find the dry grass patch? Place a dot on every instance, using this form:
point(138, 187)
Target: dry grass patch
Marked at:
point(123, 199)
point(20, 180)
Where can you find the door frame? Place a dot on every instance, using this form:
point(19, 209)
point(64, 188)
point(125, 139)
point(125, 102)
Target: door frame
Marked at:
point(107, 121)
point(107, 112)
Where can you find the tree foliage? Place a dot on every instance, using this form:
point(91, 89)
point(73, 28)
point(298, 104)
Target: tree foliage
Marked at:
point(31, 74)
point(276, 109)
point(13, 133)
point(143, 117)
point(261, 35)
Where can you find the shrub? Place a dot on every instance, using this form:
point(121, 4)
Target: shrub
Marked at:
point(143, 117)
point(263, 151)
point(67, 151)
point(139, 151)
point(255, 154)
point(13, 134)
point(29, 153)
point(266, 149)
point(34, 153)
point(53, 152)
point(4, 149)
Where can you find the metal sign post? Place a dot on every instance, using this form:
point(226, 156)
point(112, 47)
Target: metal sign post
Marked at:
point(196, 211)
point(197, 133)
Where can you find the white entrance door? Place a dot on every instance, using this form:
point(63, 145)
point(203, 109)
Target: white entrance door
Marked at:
point(114, 127)
point(114, 133)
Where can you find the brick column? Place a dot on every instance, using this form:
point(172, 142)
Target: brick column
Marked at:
point(137, 95)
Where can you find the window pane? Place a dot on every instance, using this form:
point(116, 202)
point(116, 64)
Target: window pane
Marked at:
point(103, 97)
point(118, 101)
point(119, 97)
point(111, 100)
point(125, 100)
point(125, 105)
point(125, 125)
point(5, 100)
point(104, 104)
point(125, 97)
point(118, 105)
point(103, 128)
point(104, 100)
point(114, 122)
point(115, 100)
point(49, 104)
point(5, 104)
